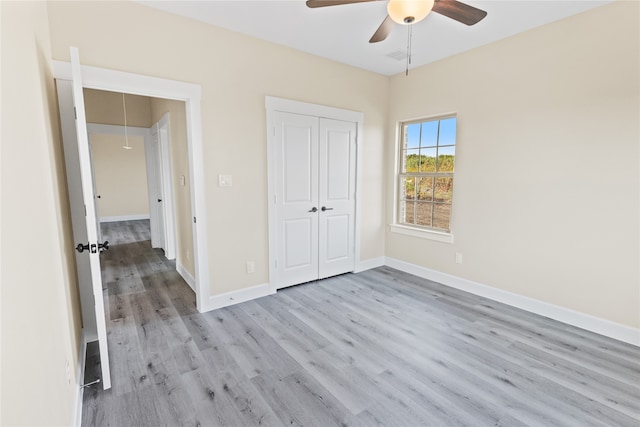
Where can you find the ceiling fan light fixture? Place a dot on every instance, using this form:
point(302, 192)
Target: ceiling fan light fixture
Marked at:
point(407, 12)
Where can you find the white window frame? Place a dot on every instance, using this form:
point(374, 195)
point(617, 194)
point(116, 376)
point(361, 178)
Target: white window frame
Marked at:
point(413, 229)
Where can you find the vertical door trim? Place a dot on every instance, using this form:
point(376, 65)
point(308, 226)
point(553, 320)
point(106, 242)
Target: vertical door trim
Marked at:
point(273, 105)
point(119, 81)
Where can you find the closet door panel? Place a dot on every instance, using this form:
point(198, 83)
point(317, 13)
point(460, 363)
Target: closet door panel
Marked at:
point(296, 198)
point(336, 166)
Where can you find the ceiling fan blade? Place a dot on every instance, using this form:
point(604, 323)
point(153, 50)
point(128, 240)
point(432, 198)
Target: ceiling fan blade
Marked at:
point(383, 30)
point(458, 11)
point(323, 3)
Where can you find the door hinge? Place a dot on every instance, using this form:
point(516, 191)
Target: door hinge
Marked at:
point(194, 219)
point(75, 113)
point(85, 210)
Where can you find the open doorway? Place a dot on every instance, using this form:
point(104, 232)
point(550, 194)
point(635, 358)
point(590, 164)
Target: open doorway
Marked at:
point(170, 90)
point(141, 170)
point(71, 79)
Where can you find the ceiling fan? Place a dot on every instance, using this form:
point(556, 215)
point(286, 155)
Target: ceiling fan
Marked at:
point(408, 12)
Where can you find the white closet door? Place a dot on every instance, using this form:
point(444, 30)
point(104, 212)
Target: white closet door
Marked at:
point(337, 188)
point(296, 198)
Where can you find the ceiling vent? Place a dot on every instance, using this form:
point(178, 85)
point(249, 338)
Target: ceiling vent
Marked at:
point(398, 55)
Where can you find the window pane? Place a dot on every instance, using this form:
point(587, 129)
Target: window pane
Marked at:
point(409, 186)
point(441, 216)
point(447, 132)
point(412, 135)
point(410, 160)
point(428, 159)
point(428, 153)
point(423, 214)
point(407, 212)
point(429, 134)
point(425, 188)
point(446, 158)
point(443, 190)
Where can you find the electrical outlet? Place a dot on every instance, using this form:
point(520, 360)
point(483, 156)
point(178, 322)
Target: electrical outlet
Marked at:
point(225, 181)
point(458, 257)
point(251, 267)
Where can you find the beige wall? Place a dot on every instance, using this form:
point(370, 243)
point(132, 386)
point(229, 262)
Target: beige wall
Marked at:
point(40, 309)
point(236, 72)
point(547, 169)
point(180, 167)
point(106, 108)
point(121, 175)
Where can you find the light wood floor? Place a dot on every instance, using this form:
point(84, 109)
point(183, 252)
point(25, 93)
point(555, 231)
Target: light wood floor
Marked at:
point(376, 348)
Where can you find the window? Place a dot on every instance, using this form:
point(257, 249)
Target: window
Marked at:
point(427, 157)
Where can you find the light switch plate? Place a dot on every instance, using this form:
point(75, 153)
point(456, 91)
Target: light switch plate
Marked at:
point(224, 181)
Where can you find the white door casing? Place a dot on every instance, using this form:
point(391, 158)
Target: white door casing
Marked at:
point(312, 164)
point(93, 254)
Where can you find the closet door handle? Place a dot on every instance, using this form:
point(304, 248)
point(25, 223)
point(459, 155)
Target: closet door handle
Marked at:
point(313, 209)
point(326, 209)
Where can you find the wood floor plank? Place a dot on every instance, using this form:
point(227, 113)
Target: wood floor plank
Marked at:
point(381, 347)
point(128, 374)
point(253, 348)
point(298, 400)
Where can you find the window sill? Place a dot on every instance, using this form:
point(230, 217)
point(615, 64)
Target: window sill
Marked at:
point(438, 236)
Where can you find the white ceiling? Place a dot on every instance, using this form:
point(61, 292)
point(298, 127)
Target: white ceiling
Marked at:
point(341, 33)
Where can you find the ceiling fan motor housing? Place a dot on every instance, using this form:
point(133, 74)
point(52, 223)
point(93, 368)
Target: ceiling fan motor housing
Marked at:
point(407, 12)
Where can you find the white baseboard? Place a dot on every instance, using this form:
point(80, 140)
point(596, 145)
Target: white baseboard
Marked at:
point(123, 218)
point(82, 360)
point(368, 264)
point(186, 276)
point(581, 320)
point(242, 295)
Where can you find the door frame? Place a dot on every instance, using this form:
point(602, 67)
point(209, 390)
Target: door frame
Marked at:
point(137, 84)
point(273, 105)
